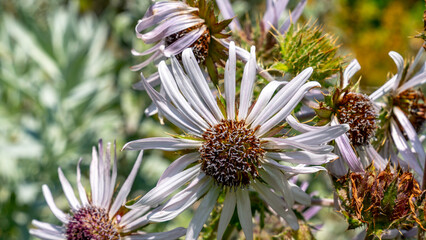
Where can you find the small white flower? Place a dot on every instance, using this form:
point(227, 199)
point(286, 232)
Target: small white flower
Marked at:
point(231, 146)
point(398, 97)
point(97, 215)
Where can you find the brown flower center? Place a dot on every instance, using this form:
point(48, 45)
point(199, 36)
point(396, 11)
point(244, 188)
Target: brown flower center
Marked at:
point(200, 47)
point(231, 153)
point(91, 223)
point(357, 110)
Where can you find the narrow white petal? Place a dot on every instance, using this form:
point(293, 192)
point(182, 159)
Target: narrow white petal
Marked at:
point(230, 82)
point(169, 235)
point(163, 190)
point(387, 87)
point(113, 176)
point(300, 127)
point(227, 12)
point(94, 177)
point(404, 149)
point(321, 136)
point(299, 195)
point(153, 80)
point(133, 215)
point(81, 190)
point(172, 90)
point(127, 186)
point(54, 231)
point(244, 212)
point(169, 111)
point(55, 210)
point(69, 192)
point(163, 143)
point(300, 169)
point(45, 235)
point(277, 204)
point(188, 90)
point(184, 42)
point(286, 110)
point(276, 179)
point(411, 134)
point(414, 82)
point(247, 84)
point(199, 81)
point(263, 99)
point(184, 199)
point(346, 150)
point(226, 213)
point(149, 51)
point(202, 213)
point(296, 13)
point(154, 57)
point(302, 157)
point(399, 61)
point(178, 165)
point(413, 65)
point(284, 144)
point(350, 70)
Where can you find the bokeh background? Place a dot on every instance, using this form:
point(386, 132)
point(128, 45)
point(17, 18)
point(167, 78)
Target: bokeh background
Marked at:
point(65, 82)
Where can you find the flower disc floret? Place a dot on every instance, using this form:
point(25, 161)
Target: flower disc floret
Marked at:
point(231, 153)
point(91, 223)
point(357, 110)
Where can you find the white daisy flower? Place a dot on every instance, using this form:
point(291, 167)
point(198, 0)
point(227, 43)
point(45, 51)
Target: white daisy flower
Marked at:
point(97, 215)
point(177, 26)
point(231, 148)
point(405, 104)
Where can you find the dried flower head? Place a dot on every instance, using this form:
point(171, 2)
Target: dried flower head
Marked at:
point(380, 200)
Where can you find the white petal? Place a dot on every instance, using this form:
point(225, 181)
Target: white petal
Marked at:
point(230, 82)
point(300, 127)
point(302, 157)
point(226, 213)
point(81, 190)
point(297, 11)
point(113, 175)
point(45, 235)
point(247, 84)
point(184, 199)
point(347, 152)
point(286, 110)
point(350, 70)
point(94, 178)
point(163, 143)
point(178, 165)
point(149, 51)
point(244, 212)
point(414, 82)
point(276, 179)
point(277, 204)
point(172, 90)
point(132, 215)
point(163, 190)
point(188, 90)
point(321, 136)
point(299, 195)
point(169, 111)
point(169, 235)
point(47, 230)
point(404, 149)
point(69, 192)
point(413, 65)
point(228, 13)
point(55, 210)
point(200, 83)
point(284, 144)
point(383, 89)
point(411, 133)
point(399, 61)
point(273, 12)
point(202, 213)
point(263, 99)
point(125, 189)
point(300, 169)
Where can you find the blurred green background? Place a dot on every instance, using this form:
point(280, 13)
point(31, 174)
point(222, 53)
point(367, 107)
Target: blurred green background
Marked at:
point(65, 82)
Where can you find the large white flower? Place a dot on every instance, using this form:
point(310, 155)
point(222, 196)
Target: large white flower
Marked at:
point(232, 148)
point(97, 215)
point(405, 104)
